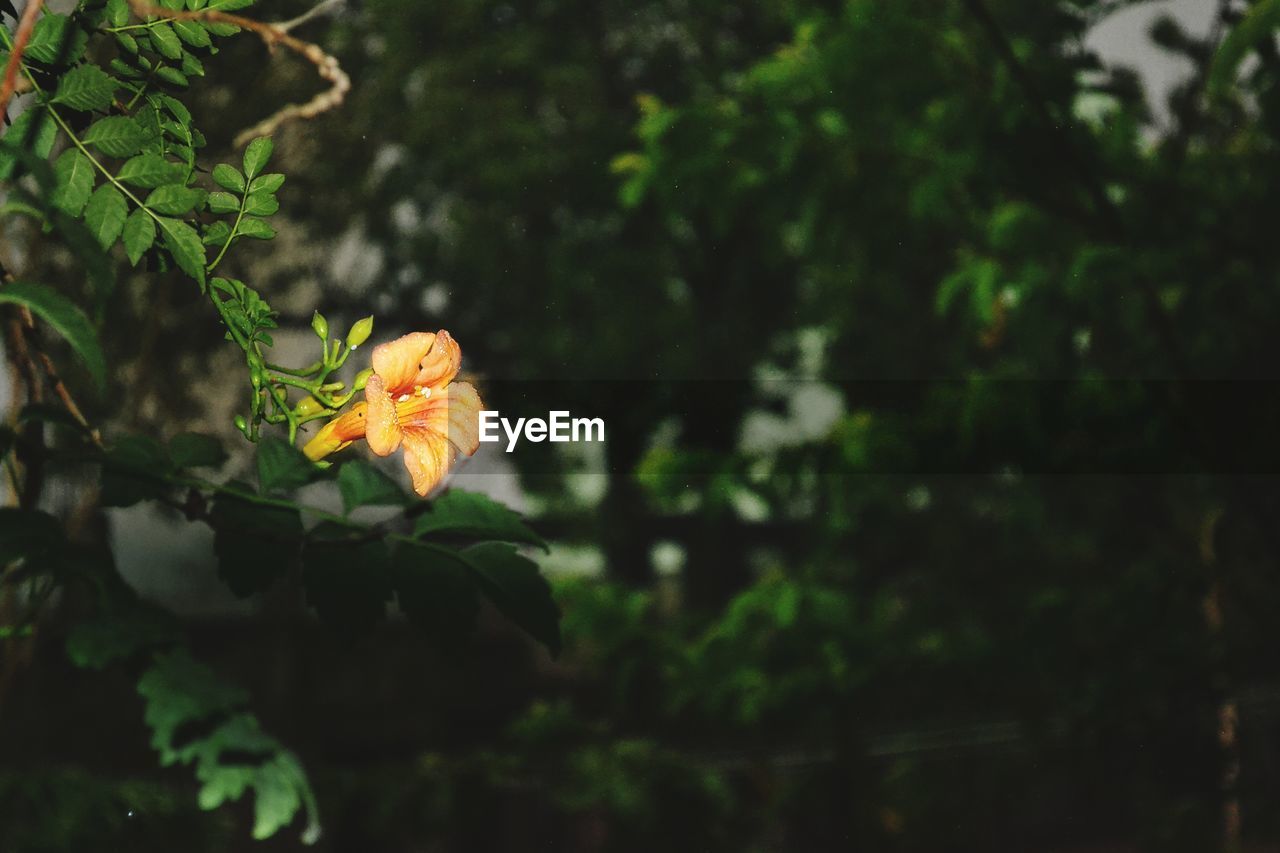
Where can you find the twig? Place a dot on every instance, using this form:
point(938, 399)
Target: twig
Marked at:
point(20, 39)
point(271, 34)
point(314, 12)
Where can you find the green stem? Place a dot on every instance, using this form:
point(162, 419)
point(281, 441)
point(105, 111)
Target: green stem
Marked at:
point(235, 227)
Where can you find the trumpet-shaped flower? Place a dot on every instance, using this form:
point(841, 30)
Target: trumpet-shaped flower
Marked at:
point(411, 402)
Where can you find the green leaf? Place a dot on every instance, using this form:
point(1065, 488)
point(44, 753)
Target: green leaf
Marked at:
point(255, 544)
point(73, 173)
point(116, 136)
point(134, 469)
point(256, 228)
point(230, 5)
point(117, 12)
point(173, 76)
point(256, 155)
point(1261, 20)
point(361, 484)
point(151, 170)
point(184, 244)
point(220, 202)
point(261, 204)
point(267, 183)
point(64, 318)
point(515, 586)
point(34, 131)
point(165, 40)
point(191, 66)
point(86, 87)
point(282, 467)
point(228, 177)
point(216, 233)
point(175, 199)
point(128, 44)
point(437, 591)
point(347, 582)
point(139, 234)
point(192, 33)
point(56, 39)
point(120, 633)
point(470, 515)
point(105, 214)
point(179, 691)
point(196, 450)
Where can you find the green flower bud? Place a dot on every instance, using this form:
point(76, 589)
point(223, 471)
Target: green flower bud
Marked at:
point(361, 378)
point(308, 406)
point(320, 326)
point(360, 332)
point(241, 424)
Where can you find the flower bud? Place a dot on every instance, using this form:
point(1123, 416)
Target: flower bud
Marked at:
point(361, 378)
point(360, 332)
point(308, 406)
point(241, 424)
point(320, 326)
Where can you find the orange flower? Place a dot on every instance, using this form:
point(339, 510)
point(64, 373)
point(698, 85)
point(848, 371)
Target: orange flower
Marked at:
point(412, 401)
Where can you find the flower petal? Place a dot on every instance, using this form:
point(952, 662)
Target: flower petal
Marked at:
point(441, 364)
point(337, 433)
point(398, 362)
point(382, 428)
point(464, 407)
point(428, 456)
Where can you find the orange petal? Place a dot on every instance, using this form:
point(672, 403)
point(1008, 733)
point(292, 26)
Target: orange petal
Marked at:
point(382, 429)
point(441, 364)
point(428, 456)
point(399, 361)
point(464, 416)
point(337, 433)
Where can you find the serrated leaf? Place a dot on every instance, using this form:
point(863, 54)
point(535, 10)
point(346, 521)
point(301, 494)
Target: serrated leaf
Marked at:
point(471, 515)
point(255, 544)
point(116, 136)
point(268, 183)
point(516, 587)
point(86, 87)
point(216, 233)
point(220, 202)
point(256, 228)
point(173, 76)
point(139, 233)
point(282, 467)
point(56, 39)
point(128, 44)
point(175, 199)
point(165, 40)
point(74, 181)
point(184, 244)
point(348, 583)
point(230, 5)
point(436, 589)
point(118, 634)
point(63, 317)
point(228, 177)
point(256, 155)
point(150, 171)
point(174, 107)
point(192, 33)
point(118, 12)
point(33, 131)
point(191, 66)
point(105, 214)
point(261, 204)
point(361, 484)
point(196, 450)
